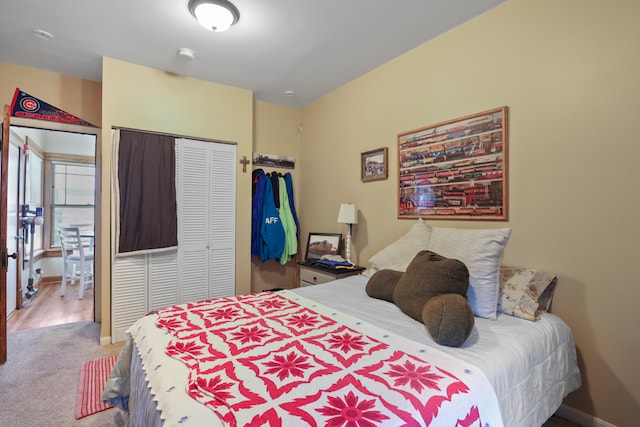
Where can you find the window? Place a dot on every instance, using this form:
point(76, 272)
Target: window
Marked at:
point(72, 195)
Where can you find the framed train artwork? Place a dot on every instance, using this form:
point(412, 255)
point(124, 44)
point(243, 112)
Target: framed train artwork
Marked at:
point(456, 169)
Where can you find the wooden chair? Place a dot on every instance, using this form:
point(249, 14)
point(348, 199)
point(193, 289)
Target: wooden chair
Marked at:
point(76, 252)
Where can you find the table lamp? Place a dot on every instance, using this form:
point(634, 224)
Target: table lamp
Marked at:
point(348, 215)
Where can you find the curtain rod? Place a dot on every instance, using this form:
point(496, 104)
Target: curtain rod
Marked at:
point(173, 135)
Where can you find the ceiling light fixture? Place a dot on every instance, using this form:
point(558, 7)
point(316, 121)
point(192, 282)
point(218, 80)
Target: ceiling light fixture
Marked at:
point(214, 15)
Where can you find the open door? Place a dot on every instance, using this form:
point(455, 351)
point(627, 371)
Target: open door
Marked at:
point(4, 255)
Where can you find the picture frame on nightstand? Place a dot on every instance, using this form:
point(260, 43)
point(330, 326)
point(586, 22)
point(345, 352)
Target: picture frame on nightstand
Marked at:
point(320, 244)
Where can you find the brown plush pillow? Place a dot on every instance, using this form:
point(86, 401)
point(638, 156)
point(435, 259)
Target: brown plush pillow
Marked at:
point(449, 319)
point(381, 284)
point(428, 276)
point(433, 290)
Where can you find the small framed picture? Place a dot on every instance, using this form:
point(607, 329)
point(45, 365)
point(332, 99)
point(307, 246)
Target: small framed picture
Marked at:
point(320, 244)
point(375, 165)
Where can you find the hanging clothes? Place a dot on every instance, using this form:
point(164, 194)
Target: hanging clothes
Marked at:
point(257, 201)
point(272, 237)
point(274, 220)
point(289, 181)
point(276, 188)
point(288, 224)
point(254, 179)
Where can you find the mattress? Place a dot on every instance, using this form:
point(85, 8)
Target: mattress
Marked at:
point(530, 365)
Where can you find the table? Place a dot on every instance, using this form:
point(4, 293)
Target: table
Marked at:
point(311, 274)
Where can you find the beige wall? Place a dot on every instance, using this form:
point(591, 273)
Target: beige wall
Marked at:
point(276, 131)
point(82, 98)
point(147, 99)
point(570, 74)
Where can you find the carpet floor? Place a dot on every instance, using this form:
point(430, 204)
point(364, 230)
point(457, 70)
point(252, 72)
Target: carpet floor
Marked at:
point(39, 381)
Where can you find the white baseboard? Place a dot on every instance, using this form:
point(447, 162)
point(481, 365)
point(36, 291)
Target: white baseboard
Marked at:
point(579, 417)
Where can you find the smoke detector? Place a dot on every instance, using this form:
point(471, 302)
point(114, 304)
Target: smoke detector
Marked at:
point(186, 53)
point(42, 34)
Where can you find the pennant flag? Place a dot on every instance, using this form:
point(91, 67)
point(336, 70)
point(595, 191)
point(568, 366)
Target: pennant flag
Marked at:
point(30, 107)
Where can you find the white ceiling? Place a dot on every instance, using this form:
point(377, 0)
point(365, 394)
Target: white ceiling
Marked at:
point(311, 47)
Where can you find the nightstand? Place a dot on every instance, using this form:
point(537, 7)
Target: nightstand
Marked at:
point(311, 274)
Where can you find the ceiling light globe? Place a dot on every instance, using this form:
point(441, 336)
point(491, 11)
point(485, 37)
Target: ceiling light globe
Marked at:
point(214, 15)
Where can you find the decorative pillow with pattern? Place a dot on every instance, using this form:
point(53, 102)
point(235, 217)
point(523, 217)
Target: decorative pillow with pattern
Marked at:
point(526, 293)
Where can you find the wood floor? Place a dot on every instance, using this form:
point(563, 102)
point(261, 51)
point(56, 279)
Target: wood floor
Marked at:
point(48, 308)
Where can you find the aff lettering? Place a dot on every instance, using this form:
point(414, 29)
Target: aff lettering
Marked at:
point(271, 220)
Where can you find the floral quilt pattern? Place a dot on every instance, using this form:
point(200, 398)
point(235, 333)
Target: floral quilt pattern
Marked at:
point(267, 360)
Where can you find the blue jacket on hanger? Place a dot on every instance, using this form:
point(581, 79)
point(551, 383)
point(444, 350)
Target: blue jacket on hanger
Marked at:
point(259, 181)
point(271, 232)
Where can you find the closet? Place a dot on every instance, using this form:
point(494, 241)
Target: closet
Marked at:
point(203, 265)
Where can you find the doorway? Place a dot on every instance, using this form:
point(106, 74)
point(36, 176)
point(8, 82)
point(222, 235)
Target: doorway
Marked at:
point(58, 173)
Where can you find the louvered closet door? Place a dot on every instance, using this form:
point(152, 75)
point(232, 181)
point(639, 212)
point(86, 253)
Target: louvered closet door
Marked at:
point(164, 284)
point(206, 219)
point(192, 185)
point(222, 221)
point(203, 266)
point(128, 294)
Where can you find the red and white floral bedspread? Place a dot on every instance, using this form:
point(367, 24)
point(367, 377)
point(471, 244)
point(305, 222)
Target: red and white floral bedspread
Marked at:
point(273, 360)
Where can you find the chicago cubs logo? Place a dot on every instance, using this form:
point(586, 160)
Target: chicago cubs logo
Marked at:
point(30, 104)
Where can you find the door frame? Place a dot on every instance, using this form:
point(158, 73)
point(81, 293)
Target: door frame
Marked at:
point(4, 260)
point(7, 122)
point(17, 143)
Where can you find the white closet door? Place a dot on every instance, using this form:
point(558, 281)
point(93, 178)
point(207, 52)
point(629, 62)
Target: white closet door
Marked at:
point(128, 294)
point(163, 279)
point(222, 221)
point(206, 215)
point(203, 266)
point(192, 158)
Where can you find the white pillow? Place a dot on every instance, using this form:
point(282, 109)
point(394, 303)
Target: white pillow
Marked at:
point(368, 272)
point(481, 250)
point(400, 253)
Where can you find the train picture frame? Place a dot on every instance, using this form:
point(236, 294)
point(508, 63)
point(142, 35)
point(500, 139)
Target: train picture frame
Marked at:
point(374, 165)
point(455, 169)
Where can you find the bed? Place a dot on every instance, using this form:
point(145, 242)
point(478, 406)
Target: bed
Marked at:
point(510, 371)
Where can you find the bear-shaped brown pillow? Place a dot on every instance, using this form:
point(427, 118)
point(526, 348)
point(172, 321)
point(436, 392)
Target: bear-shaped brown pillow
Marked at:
point(433, 290)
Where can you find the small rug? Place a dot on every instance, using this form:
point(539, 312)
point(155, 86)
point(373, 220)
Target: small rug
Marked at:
point(93, 376)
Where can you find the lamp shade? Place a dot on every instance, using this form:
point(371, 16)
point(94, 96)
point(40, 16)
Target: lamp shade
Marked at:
point(214, 15)
point(348, 214)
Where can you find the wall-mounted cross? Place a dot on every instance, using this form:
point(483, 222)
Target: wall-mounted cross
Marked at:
point(244, 162)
